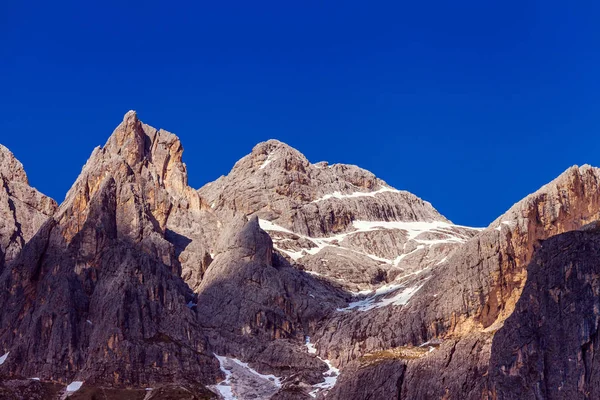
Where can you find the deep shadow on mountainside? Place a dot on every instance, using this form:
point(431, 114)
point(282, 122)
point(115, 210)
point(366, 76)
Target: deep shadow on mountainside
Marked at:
point(288, 280)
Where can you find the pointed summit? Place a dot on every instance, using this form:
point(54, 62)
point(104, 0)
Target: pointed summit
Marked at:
point(23, 209)
point(128, 139)
point(148, 171)
point(160, 151)
point(10, 167)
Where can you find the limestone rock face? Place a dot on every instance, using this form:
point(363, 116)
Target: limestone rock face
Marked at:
point(548, 345)
point(256, 295)
point(23, 209)
point(339, 221)
point(380, 380)
point(97, 294)
point(289, 280)
point(258, 307)
point(99, 308)
point(466, 299)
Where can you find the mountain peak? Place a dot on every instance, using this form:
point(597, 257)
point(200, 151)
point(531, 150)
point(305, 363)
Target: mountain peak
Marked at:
point(159, 150)
point(130, 114)
point(128, 139)
point(23, 209)
point(145, 163)
point(10, 167)
point(276, 152)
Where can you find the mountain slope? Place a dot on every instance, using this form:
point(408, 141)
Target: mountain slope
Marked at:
point(466, 300)
point(288, 280)
point(338, 221)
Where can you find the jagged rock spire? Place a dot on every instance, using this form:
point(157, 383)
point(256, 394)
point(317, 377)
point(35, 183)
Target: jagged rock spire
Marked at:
point(23, 209)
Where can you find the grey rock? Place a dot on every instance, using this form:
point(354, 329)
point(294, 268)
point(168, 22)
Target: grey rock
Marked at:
point(23, 209)
point(310, 209)
point(139, 280)
point(122, 309)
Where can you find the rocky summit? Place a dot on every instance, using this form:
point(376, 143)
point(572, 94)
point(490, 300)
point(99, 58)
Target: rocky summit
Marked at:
point(285, 280)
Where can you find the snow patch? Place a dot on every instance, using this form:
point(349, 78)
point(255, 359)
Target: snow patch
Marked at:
point(381, 297)
point(443, 260)
point(313, 273)
point(320, 243)
point(267, 161)
point(224, 387)
point(271, 378)
point(311, 347)
point(339, 195)
point(331, 375)
point(241, 378)
point(412, 228)
point(191, 304)
point(74, 386)
point(4, 357)
point(397, 260)
point(510, 224)
point(270, 226)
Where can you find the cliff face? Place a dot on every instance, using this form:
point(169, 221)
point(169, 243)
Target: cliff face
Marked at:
point(547, 347)
point(464, 302)
point(22, 208)
point(99, 307)
point(289, 280)
point(97, 293)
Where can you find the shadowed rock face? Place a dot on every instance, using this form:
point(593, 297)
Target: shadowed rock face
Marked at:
point(380, 380)
point(99, 308)
point(251, 293)
point(138, 280)
point(97, 293)
point(547, 347)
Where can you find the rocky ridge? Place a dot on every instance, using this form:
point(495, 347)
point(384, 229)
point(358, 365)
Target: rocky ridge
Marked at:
point(338, 221)
point(466, 300)
point(23, 209)
point(275, 279)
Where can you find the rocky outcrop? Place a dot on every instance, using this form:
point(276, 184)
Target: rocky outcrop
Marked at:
point(252, 294)
point(108, 271)
point(23, 209)
point(477, 286)
point(255, 306)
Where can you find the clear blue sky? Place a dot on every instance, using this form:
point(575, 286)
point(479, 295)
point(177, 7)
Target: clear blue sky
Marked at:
point(468, 104)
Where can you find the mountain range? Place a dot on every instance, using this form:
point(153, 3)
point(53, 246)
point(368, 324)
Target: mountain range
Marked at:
point(286, 280)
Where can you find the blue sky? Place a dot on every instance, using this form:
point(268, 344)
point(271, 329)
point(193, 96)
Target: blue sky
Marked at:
point(470, 104)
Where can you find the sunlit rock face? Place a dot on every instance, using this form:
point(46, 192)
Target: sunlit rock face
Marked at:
point(338, 221)
point(23, 209)
point(287, 279)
